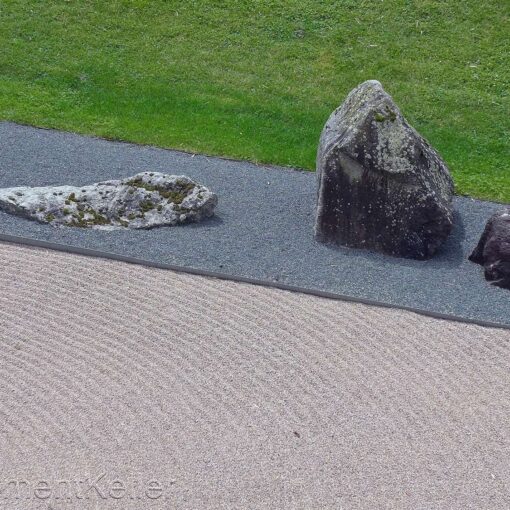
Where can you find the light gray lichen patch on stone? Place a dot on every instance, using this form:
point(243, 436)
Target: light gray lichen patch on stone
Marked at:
point(145, 200)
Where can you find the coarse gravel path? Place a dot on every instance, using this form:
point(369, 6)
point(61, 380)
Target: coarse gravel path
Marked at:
point(263, 229)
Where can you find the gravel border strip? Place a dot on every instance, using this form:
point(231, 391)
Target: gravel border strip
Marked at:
point(262, 231)
point(222, 276)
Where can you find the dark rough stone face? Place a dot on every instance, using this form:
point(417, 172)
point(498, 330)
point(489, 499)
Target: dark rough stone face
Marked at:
point(493, 249)
point(381, 186)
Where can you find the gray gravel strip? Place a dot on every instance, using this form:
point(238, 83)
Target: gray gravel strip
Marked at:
point(262, 229)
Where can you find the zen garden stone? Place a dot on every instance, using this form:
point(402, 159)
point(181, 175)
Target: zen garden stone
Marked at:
point(381, 186)
point(493, 249)
point(146, 200)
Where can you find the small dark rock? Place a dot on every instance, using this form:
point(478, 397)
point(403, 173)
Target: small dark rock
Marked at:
point(381, 186)
point(493, 249)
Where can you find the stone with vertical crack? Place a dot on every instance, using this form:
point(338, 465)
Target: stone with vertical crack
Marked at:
point(381, 186)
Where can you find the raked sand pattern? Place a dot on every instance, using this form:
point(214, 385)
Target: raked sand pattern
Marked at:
point(228, 395)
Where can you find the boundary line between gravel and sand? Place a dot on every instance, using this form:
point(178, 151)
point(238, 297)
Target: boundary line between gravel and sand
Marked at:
point(236, 278)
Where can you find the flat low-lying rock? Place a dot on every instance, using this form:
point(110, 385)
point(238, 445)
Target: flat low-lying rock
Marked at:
point(381, 186)
point(145, 200)
point(493, 249)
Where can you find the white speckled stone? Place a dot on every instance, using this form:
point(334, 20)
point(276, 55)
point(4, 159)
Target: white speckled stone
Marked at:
point(145, 200)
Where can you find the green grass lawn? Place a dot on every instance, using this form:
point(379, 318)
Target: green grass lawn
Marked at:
point(256, 80)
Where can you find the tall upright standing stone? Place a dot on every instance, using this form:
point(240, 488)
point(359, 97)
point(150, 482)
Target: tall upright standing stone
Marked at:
point(381, 186)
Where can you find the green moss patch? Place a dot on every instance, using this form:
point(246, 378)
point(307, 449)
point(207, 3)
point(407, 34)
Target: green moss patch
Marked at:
point(176, 193)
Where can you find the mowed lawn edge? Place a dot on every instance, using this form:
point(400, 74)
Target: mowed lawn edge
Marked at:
point(257, 80)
